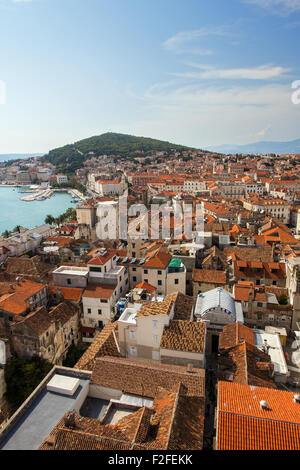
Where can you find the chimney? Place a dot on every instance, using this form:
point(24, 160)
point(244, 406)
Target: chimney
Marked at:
point(263, 405)
point(296, 398)
point(69, 420)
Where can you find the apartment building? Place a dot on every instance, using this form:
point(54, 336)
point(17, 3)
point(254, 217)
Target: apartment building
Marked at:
point(47, 334)
point(107, 282)
point(163, 330)
point(109, 187)
point(275, 207)
point(165, 273)
point(261, 307)
point(19, 299)
point(261, 273)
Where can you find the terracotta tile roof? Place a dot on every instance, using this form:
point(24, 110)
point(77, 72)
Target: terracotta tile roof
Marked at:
point(15, 300)
point(99, 291)
point(265, 273)
point(145, 285)
point(243, 425)
point(233, 335)
point(143, 378)
point(209, 276)
point(183, 305)
point(184, 336)
point(175, 422)
point(29, 267)
point(60, 241)
point(100, 260)
point(63, 312)
point(105, 344)
point(38, 321)
point(157, 308)
point(160, 260)
point(244, 363)
point(249, 254)
point(68, 293)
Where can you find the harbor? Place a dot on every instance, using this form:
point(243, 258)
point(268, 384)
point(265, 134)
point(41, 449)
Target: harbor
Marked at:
point(15, 211)
point(35, 193)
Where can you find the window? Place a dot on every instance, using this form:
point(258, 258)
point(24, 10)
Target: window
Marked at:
point(89, 310)
point(155, 355)
point(96, 270)
point(69, 281)
point(132, 334)
point(132, 351)
point(145, 271)
point(154, 323)
point(155, 339)
point(134, 269)
point(145, 280)
point(134, 279)
point(176, 281)
point(99, 311)
point(100, 325)
point(159, 283)
point(103, 301)
point(259, 304)
point(159, 273)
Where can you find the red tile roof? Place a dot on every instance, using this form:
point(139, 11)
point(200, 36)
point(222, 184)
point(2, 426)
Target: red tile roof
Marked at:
point(244, 425)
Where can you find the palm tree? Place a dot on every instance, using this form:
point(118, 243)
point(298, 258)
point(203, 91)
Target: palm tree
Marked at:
point(49, 220)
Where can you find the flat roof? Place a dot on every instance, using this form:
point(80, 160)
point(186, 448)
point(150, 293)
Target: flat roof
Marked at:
point(72, 270)
point(275, 351)
point(128, 316)
point(32, 427)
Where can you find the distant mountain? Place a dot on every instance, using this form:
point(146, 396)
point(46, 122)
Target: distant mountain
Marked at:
point(15, 156)
point(71, 157)
point(259, 147)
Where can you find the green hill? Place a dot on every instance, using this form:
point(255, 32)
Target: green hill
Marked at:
point(70, 157)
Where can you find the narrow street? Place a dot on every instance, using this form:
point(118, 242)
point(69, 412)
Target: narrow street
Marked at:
point(210, 402)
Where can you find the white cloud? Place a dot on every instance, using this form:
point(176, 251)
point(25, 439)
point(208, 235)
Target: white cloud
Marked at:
point(263, 72)
point(201, 116)
point(278, 6)
point(183, 41)
point(264, 131)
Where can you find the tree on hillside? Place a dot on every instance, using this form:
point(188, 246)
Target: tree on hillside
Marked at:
point(6, 234)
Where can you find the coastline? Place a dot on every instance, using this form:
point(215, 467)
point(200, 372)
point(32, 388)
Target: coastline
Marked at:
point(16, 212)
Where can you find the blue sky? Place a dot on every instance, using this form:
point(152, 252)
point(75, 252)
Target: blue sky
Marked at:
point(193, 72)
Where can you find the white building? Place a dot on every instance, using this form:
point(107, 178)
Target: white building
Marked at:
point(271, 344)
point(109, 187)
point(61, 179)
point(217, 308)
